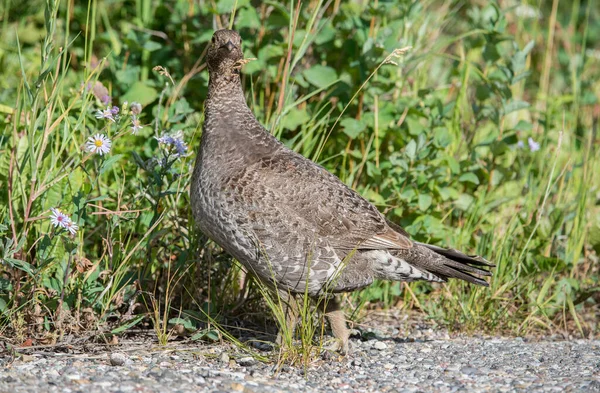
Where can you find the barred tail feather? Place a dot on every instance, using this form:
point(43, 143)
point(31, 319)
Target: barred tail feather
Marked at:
point(439, 264)
point(448, 263)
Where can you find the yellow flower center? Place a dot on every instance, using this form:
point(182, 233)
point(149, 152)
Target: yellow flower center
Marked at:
point(98, 143)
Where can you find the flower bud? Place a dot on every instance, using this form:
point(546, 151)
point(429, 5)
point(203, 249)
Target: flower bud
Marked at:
point(136, 108)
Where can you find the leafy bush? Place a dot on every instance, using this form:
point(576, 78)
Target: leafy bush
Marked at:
point(483, 136)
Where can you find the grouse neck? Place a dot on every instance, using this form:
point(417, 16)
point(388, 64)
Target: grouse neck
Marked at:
point(224, 92)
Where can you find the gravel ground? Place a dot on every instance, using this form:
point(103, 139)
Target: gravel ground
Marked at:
point(395, 352)
point(433, 362)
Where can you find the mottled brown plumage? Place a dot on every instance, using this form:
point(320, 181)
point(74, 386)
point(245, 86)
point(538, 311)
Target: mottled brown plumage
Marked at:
point(288, 220)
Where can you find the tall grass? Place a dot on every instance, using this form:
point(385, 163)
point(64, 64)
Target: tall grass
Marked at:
point(482, 137)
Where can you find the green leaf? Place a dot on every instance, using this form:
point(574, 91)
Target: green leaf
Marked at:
point(269, 51)
point(226, 6)
point(469, 177)
point(408, 194)
point(320, 75)
point(464, 202)
point(353, 127)
point(373, 171)
point(96, 199)
point(128, 325)
point(141, 93)
point(210, 334)
point(374, 197)
point(294, 118)
point(442, 137)
point(186, 323)
point(411, 149)
point(5, 285)
point(519, 59)
point(182, 106)
point(151, 46)
point(247, 17)
point(21, 265)
point(453, 164)
point(521, 76)
point(490, 52)
point(528, 47)
point(414, 125)
point(128, 76)
point(448, 193)
point(515, 105)
point(326, 33)
point(425, 201)
point(523, 125)
point(109, 162)
point(483, 92)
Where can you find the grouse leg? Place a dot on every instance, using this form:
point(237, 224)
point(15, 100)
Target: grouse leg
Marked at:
point(337, 321)
point(290, 305)
point(244, 283)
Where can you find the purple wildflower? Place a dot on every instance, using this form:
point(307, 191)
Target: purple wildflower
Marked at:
point(533, 145)
point(106, 99)
point(180, 146)
point(175, 140)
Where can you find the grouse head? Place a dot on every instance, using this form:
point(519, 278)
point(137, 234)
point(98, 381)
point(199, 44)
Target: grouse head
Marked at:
point(225, 51)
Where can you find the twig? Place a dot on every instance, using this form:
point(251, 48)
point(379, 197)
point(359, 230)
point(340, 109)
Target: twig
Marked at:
point(238, 64)
point(164, 72)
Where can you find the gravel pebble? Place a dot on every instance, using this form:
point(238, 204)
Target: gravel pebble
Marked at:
point(246, 361)
point(380, 345)
point(117, 359)
point(224, 358)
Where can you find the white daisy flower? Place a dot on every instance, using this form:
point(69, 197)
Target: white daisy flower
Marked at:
point(528, 12)
point(99, 144)
point(59, 218)
point(135, 125)
point(71, 227)
point(107, 113)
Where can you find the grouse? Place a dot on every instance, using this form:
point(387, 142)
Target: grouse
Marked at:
point(289, 221)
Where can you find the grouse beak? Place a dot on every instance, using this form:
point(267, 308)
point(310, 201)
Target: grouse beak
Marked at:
point(229, 45)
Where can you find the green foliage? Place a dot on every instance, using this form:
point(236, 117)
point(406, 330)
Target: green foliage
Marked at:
point(482, 137)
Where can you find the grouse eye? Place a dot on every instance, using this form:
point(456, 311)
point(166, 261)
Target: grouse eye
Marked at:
point(212, 39)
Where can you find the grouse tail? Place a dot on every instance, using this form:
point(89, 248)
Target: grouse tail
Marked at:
point(449, 263)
